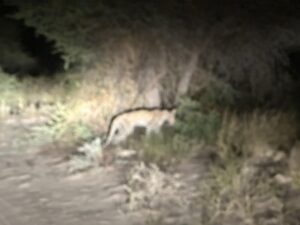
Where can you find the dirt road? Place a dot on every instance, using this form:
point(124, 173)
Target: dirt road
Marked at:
point(36, 190)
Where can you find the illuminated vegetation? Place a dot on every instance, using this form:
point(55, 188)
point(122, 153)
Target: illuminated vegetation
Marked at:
point(227, 68)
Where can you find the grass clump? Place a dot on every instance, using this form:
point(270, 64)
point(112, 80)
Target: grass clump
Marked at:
point(62, 125)
point(163, 149)
point(246, 134)
point(10, 93)
point(243, 180)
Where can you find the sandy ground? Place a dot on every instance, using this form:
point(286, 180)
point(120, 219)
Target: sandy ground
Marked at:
point(37, 189)
point(34, 189)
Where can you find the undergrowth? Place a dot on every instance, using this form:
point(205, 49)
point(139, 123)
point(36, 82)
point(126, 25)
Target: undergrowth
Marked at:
point(248, 133)
point(209, 118)
point(198, 121)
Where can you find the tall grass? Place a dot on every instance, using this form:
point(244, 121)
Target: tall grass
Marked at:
point(255, 132)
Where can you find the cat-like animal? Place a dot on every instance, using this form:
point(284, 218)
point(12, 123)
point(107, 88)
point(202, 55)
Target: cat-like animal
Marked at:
point(124, 124)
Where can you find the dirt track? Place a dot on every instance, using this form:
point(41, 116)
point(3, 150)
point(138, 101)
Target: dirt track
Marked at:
point(36, 190)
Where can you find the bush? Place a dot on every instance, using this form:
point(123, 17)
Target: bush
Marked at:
point(194, 122)
point(199, 117)
point(198, 121)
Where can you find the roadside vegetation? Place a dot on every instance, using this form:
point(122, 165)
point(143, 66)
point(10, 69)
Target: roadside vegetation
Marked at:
point(233, 82)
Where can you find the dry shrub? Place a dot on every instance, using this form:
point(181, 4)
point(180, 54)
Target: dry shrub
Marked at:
point(231, 200)
point(249, 133)
point(97, 97)
point(87, 110)
point(22, 95)
point(243, 189)
point(148, 187)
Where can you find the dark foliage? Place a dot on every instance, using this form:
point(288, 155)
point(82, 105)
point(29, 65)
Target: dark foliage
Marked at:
point(244, 42)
